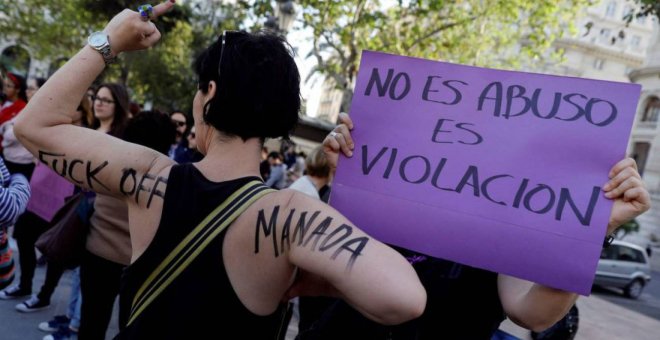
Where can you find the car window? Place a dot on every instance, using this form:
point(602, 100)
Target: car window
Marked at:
point(630, 254)
point(609, 253)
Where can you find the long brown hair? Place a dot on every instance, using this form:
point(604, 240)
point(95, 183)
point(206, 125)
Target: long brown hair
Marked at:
point(120, 118)
point(85, 107)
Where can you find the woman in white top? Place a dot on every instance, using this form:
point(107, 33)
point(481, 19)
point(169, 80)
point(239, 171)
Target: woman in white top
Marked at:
point(17, 158)
point(317, 174)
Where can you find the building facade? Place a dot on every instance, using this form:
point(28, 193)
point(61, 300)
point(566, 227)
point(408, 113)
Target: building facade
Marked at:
point(645, 142)
point(605, 47)
point(329, 101)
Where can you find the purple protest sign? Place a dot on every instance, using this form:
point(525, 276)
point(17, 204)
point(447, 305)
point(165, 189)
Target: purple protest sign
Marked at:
point(495, 169)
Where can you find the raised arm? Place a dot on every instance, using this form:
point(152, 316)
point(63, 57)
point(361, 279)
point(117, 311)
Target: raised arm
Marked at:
point(85, 157)
point(538, 307)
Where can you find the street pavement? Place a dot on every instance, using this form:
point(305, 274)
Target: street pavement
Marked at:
point(603, 320)
point(599, 318)
point(23, 326)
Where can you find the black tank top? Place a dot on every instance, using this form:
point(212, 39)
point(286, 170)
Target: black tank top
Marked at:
point(201, 302)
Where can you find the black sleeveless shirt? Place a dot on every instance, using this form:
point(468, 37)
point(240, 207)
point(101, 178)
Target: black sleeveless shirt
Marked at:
point(201, 302)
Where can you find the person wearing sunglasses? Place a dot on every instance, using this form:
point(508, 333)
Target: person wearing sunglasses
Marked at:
point(192, 154)
point(282, 244)
point(178, 150)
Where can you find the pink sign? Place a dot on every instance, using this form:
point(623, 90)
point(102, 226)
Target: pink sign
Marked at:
point(494, 169)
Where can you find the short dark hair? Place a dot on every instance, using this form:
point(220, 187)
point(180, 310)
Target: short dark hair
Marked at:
point(151, 129)
point(258, 87)
point(274, 155)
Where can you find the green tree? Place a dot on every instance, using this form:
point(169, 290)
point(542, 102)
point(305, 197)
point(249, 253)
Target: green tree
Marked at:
point(646, 8)
point(473, 32)
point(56, 29)
point(48, 28)
point(629, 227)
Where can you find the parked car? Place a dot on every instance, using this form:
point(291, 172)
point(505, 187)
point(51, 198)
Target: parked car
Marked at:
point(624, 265)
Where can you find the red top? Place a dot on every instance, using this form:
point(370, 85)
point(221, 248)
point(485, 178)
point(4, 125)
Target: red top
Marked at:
point(11, 111)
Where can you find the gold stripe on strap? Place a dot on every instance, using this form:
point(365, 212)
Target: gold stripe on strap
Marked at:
point(177, 253)
point(182, 255)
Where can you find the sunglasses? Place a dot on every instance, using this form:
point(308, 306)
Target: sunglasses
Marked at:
point(178, 123)
point(103, 100)
point(226, 36)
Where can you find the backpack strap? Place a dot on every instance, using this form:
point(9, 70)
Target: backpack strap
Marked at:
point(194, 243)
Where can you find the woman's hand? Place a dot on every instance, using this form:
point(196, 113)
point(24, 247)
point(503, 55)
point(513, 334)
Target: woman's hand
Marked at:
point(339, 139)
point(128, 32)
point(626, 188)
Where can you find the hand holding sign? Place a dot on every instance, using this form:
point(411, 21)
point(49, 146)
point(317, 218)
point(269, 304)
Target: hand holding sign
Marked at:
point(339, 139)
point(627, 189)
point(495, 169)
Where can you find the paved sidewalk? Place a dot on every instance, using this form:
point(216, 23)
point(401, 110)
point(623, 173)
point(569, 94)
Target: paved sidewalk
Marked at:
point(23, 326)
point(599, 319)
point(603, 320)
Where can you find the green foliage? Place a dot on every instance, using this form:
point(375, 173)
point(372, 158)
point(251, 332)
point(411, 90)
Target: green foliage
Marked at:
point(48, 28)
point(646, 8)
point(473, 32)
point(163, 74)
point(56, 29)
point(627, 228)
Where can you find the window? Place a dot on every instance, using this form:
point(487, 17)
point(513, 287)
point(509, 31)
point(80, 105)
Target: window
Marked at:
point(640, 154)
point(628, 11)
point(629, 254)
point(608, 253)
point(605, 34)
point(599, 63)
point(636, 41)
point(651, 110)
point(611, 9)
point(641, 20)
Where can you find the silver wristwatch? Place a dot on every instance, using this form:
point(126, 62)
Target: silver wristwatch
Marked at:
point(101, 42)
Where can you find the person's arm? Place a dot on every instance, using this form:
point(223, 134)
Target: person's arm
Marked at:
point(538, 307)
point(369, 277)
point(14, 197)
point(372, 277)
point(86, 157)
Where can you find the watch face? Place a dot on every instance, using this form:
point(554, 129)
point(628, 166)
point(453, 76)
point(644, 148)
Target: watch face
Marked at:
point(97, 39)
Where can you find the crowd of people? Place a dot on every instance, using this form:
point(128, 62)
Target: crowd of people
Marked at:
point(104, 108)
point(191, 213)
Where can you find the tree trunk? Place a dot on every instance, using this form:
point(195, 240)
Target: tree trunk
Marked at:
point(346, 101)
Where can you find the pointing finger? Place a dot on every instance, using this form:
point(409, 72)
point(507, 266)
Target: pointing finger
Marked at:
point(163, 8)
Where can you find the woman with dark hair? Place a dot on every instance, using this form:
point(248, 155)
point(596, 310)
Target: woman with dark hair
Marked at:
point(210, 235)
point(109, 242)
point(33, 85)
point(16, 99)
point(111, 109)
